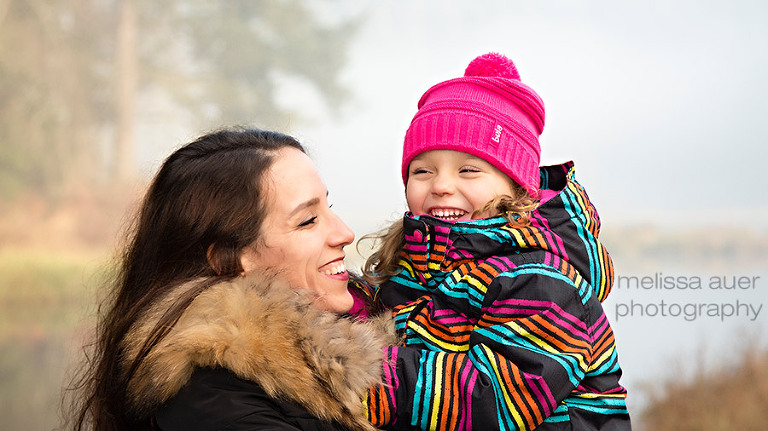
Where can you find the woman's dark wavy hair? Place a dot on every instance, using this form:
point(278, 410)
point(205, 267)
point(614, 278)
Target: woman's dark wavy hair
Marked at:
point(204, 206)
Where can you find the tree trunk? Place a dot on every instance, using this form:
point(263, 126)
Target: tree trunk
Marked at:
point(125, 94)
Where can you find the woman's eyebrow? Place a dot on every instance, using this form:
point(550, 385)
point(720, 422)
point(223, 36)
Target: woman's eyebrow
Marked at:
point(307, 204)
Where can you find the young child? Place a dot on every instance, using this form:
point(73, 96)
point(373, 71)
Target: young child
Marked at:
point(496, 275)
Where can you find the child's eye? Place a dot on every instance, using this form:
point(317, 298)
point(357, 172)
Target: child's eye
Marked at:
point(465, 169)
point(416, 171)
point(308, 222)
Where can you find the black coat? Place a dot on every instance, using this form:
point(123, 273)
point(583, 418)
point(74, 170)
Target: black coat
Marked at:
point(216, 399)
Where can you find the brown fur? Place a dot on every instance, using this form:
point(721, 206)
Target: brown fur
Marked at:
point(267, 333)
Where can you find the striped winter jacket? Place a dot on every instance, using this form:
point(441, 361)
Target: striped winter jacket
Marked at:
point(504, 327)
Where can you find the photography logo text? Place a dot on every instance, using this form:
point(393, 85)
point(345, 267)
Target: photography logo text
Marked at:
point(732, 293)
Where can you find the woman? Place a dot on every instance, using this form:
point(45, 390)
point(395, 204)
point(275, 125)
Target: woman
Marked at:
point(227, 309)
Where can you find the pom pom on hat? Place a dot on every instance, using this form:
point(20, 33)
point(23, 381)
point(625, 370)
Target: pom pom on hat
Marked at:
point(492, 64)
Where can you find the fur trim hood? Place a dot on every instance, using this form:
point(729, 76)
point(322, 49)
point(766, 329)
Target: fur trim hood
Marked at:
point(268, 333)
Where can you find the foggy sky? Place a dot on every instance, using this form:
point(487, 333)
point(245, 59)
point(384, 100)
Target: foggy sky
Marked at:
point(662, 107)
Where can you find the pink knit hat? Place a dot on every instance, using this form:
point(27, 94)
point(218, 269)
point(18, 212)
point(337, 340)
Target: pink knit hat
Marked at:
point(487, 113)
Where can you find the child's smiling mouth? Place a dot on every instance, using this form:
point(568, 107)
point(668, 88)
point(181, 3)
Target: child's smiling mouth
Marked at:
point(447, 214)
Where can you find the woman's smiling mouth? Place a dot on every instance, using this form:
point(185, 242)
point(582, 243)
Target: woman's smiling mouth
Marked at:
point(336, 269)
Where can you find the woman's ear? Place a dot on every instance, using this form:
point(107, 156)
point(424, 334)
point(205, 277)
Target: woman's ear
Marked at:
point(210, 255)
point(225, 260)
point(248, 259)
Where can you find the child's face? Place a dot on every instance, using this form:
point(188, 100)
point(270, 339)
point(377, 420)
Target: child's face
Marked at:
point(451, 185)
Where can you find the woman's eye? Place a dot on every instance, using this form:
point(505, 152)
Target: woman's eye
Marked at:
point(308, 222)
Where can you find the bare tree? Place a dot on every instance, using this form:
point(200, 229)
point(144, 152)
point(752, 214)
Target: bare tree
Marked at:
point(70, 73)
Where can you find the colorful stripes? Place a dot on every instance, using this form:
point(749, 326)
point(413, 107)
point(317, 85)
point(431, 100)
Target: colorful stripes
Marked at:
point(503, 326)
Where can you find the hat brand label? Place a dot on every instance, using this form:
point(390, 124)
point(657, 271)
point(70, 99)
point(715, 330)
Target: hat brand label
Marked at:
point(497, 133)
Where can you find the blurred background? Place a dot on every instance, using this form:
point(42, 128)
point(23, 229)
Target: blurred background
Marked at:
point(662, 106)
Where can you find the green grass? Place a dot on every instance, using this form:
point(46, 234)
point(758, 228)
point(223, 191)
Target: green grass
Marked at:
point(47, 308)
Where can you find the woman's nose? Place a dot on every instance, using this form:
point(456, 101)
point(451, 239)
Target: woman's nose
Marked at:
point(341, 235)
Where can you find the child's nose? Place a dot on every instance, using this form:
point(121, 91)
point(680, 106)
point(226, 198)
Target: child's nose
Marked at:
point(443, 185)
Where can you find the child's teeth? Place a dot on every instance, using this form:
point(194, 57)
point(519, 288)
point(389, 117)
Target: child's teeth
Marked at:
point(447, 214)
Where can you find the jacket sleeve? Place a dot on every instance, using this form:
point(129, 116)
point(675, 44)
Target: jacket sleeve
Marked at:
point(500, 359)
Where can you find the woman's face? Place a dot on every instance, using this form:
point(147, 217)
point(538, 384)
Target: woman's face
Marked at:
point(301, 238)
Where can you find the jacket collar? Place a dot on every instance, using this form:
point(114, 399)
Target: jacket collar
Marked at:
point(565, 224)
